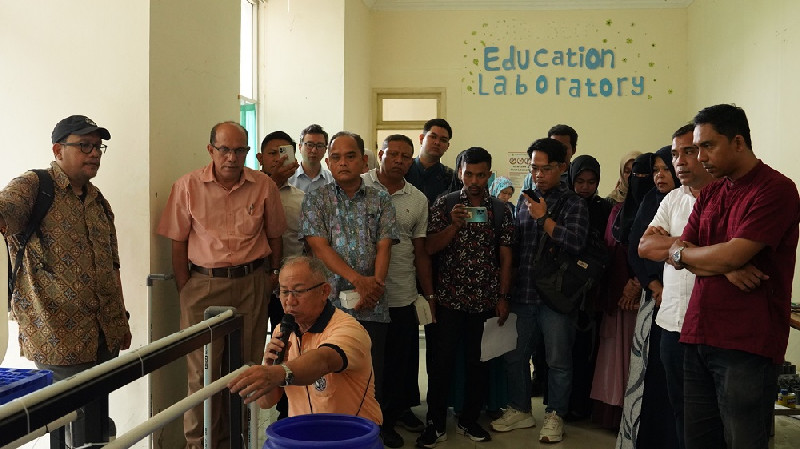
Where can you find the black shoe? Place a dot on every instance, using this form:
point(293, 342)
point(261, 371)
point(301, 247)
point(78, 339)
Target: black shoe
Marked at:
point(391, 438)
point(474, 432)
point(409, 421)
point(430, 437)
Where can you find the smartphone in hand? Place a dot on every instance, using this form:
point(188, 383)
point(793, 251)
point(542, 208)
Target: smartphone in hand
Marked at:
point(287, 150)
point(532, 194)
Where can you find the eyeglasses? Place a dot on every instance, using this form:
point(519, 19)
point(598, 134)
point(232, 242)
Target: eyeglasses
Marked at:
point(86, 147)
point(544, 169)
point(300, 293)
point(241, 151)
point(311, 145)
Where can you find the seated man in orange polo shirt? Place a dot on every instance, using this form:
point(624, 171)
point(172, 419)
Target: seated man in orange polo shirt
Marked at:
point(225, 222)
point(330, 352)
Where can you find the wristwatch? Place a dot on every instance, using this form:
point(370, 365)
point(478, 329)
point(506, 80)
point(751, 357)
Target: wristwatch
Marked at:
point(289, 379)
point(542, 219)
point(676, 256)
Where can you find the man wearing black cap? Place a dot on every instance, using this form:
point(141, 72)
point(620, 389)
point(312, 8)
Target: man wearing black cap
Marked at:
point(67, 297)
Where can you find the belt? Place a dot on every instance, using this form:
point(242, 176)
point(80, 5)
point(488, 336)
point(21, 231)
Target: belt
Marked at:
point(237, 271)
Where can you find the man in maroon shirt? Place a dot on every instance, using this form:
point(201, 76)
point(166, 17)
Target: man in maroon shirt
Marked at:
point(740, 241)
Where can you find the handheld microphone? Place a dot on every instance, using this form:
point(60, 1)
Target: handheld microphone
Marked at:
point(288, 325)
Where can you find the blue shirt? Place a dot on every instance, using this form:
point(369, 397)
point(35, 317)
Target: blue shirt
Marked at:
point(353, 227)
point(572, 227)
point(305, 183)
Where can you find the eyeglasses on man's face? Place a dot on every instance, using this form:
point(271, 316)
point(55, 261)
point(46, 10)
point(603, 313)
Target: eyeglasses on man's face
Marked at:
point(315, 146)
point(544, 169)
point(241, 151)
point(299, 293)
point(86, 147)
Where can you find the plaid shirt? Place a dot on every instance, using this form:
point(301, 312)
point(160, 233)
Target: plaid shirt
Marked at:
point(572, 226)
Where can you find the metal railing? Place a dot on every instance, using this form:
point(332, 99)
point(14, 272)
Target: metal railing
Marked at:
point(39, 409)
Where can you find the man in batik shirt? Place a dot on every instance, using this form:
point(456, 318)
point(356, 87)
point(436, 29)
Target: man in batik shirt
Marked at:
point(351, 228)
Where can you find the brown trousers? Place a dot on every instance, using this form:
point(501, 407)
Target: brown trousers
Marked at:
point(250, 296)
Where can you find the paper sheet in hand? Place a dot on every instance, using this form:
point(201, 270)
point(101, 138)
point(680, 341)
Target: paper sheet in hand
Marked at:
point(497, 340)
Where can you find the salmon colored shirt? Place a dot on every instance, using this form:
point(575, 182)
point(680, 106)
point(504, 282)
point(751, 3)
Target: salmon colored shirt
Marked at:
point(223, 227)
point(351, 390)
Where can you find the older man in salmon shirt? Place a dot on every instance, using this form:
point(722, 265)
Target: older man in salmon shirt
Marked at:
point(225, 222)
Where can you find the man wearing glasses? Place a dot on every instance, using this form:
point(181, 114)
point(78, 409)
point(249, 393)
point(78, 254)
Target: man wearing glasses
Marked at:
point(226, 222)
point(310, 175)
point(67, 297)
point(328, 366)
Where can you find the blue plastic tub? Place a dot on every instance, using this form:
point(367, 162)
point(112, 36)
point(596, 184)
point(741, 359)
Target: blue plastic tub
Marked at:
point(15, 383)
point(323, 430)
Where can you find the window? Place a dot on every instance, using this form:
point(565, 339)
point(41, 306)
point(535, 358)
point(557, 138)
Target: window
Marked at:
point(247, 78)
point(405, 111)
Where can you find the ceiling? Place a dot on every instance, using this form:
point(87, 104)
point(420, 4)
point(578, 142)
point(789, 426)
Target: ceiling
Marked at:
point(418, 5)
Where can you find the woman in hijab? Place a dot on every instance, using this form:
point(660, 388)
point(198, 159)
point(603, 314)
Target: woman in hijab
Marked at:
point(584, 175)
point(621, 189)
point(647, 410)
point(621, 300)
point(503, 189)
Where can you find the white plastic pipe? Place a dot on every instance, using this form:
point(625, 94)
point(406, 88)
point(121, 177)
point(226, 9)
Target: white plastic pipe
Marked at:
point(71, 382)
point(173, 412)
point(60, 422)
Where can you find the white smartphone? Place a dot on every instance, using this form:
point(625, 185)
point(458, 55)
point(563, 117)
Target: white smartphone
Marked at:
point(289, 151)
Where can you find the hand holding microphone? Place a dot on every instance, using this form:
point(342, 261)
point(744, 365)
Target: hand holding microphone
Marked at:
point(288, 326)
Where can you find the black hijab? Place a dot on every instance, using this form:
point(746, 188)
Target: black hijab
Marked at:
point(638, 186)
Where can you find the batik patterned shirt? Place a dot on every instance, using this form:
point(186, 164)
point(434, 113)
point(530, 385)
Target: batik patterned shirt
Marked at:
point(353, 227)
point(66, 290)
point(469, 266)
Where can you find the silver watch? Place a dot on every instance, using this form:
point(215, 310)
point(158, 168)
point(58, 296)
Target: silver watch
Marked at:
point(289, 379)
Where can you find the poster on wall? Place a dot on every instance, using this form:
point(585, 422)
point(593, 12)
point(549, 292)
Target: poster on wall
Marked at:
point(518, 169)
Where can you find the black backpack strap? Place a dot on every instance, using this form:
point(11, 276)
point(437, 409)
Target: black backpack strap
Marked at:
point(44, 199)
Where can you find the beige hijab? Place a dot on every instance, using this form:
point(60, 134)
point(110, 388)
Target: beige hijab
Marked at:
point(621, 190)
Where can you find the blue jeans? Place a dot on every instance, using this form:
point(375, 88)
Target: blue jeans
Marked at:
point(672, 359)
point(537, 322)
point(728, 398)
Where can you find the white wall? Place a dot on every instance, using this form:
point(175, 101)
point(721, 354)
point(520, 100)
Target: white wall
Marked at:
point(86, 57)
point(303, 52)
point(446, 49)
point(158, 75)
point(745, 52)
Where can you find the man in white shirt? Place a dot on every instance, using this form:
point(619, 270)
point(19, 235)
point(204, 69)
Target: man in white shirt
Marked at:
point(310, 175)
point(666, 227)
point(408, 263)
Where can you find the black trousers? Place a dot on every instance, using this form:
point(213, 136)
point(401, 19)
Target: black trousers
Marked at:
point(401, 366)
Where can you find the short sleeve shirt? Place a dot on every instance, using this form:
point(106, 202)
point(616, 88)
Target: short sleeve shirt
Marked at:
point(432, 181)
point(411, 209)
point(306, 183)
point(66, 290)
point(292, 200)
point(469, 266)
point(351, 390)
point(223, 227)
point(762, 206)
point(353, 227)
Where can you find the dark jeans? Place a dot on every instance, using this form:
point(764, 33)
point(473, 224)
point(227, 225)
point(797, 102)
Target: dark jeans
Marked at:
point(377, 333)
point(672, 359)
point(728, 398)
point(401, 368)
point(92, 424)
point(453, 327)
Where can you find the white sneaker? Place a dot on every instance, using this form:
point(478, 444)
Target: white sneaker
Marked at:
point(552, 429)
point(513, 419)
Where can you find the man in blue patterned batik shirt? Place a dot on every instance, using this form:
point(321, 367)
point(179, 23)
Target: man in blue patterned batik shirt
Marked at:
point(351, 227)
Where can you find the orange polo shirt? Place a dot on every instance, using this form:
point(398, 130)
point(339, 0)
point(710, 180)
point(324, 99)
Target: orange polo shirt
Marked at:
point(223, 227)
point(350, 391)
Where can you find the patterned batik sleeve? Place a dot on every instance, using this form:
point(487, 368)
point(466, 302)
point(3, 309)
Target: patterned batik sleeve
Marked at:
point(437, 219)
point(388, 223)
point(312, 215)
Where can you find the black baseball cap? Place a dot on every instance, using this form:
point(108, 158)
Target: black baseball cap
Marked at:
point(78, 125)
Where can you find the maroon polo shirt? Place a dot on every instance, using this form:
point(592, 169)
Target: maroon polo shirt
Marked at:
point(762, 206)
